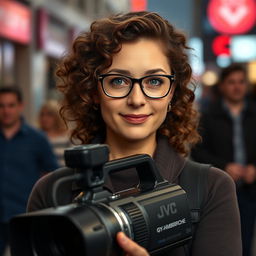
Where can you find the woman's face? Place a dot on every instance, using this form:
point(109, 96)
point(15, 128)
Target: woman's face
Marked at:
point(135, 117)
point(47, 119)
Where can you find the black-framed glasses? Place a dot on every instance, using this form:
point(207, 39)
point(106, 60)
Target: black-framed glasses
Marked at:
point(119, 86)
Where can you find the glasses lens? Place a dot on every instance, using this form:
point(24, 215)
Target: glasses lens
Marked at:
point(156, 86)
point(116, 85)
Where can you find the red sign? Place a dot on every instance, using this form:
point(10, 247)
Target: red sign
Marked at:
point(220, 45)
point(232, 16)
point(53, 36)
point(42, 22)
point(138, 5)
point(15, 21)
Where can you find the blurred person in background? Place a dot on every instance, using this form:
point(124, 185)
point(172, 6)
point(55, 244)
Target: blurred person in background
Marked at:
point(25, 156)
point(209, 95)
point(229, 142)
point(52, 124)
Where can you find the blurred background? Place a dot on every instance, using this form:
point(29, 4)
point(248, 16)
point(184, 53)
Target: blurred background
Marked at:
point(35, 34)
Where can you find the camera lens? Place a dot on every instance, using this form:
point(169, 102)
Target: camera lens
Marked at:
point(63, 240)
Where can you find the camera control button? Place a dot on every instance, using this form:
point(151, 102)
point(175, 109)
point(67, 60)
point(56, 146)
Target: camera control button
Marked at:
point(114, 197)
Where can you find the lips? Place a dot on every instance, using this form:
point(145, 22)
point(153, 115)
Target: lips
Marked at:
point(135, 119)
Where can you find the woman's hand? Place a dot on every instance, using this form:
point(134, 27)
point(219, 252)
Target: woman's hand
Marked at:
point(130, 247)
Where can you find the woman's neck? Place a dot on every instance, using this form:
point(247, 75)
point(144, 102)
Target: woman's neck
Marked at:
point(122, 148)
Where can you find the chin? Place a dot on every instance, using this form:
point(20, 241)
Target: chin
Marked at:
point(137, 137)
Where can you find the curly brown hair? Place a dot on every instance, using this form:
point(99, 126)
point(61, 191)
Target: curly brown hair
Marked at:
point(92, 53)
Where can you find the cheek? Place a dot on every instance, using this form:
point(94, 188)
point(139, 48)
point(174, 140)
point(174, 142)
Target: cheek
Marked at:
point(108, 109)
point(52, 120)
point(46, 118)
point(243, 88)
point(163, 113)
point(161, 109)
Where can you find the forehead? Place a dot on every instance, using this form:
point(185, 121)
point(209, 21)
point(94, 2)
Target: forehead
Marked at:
point(142, 54)
point(238, 74)
point(142, 46)
point(8, 97)
point(48, 112)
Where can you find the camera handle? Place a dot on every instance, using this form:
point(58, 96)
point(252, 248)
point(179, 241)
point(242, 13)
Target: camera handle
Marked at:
point(147, 171)
point(91, 162)
point(148, 174)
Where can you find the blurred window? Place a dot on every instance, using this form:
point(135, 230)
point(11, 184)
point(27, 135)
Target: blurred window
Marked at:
point(243, 48)
point(8, 63)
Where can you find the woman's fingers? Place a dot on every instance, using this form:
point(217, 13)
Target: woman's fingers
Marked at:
point(130, 247)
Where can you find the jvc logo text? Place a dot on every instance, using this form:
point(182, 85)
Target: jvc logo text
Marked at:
point(166, 210)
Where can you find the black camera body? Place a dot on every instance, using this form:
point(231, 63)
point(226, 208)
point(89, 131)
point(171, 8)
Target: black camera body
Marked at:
point(155, 214)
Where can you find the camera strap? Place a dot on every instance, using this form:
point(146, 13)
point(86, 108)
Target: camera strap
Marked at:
point(193, 180)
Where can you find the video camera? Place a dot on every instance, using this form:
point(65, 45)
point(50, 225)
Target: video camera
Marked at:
point(156, 216)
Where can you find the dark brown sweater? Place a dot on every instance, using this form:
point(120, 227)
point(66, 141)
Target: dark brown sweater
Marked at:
point(217, 234)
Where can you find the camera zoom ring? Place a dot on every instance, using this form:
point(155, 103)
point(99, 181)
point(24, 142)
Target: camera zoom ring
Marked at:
point(139, 225)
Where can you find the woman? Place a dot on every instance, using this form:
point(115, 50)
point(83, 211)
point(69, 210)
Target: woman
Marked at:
point(52, 124)
point(126, 84)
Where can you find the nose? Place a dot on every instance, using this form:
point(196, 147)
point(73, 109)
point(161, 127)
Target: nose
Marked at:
point(136, 97)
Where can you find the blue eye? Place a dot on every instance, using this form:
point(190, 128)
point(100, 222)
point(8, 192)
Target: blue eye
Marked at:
point(117, 81)
point(153, 81)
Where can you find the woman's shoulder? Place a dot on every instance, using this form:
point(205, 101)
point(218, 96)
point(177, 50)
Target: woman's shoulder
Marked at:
point(194, 173)
point(219, 213)
point(214, 177)
point(217, 184)
point(219, 179)
point(220, 193)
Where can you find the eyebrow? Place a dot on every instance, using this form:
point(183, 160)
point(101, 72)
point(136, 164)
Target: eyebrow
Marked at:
point(128, 73)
